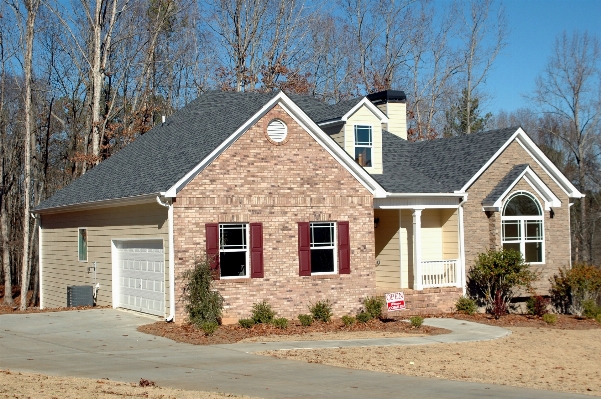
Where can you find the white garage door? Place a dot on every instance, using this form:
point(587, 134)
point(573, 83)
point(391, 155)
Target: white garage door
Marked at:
point(141, 276)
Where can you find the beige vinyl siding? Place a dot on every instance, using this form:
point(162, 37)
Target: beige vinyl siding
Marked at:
point(450, 234)
point(336, 132)
point(387, 249)
point(431, 235)
point(363, 116)
point(397, 118)
point(60, 264)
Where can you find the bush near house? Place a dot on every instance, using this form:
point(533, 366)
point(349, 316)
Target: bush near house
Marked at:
point(373, 306)
point(571, 288)
point(466, 305)
point(496, 277)
point(262, 313)
point(305, 319)
point(321, 310)
point(537, 305)
point(204, 305)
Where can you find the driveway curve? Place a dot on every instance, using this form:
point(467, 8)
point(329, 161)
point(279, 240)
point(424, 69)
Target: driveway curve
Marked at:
point(104, 343)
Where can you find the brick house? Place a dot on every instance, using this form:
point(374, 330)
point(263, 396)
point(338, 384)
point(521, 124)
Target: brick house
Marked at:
point(298, 201)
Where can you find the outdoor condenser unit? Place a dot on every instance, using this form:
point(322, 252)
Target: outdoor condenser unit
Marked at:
point(80, 295)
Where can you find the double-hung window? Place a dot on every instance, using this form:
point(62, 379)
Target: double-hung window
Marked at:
point(324, 248)
point(363, 145)
point(233, 250)
point(522, 226)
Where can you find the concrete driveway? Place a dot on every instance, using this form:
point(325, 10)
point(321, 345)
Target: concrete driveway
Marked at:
point(104, 343)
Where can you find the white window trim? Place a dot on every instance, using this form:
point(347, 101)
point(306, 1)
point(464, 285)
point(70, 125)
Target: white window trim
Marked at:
point(87, 244)
point(522, 220)
point(333, 247)
point(247, 251)
point(370, 146)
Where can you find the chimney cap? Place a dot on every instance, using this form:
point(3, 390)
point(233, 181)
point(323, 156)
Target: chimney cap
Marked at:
point(387, 96)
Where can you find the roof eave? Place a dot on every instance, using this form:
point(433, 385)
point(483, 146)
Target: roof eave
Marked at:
point(107, 203)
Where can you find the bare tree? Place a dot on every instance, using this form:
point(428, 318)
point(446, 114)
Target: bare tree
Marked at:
point(569, 89)
point(478, 30)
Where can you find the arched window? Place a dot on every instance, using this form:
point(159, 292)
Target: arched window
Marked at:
point(522, 225)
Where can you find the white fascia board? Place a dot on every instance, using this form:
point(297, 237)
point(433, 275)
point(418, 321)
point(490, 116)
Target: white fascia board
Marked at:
point(537, 185)
point(548, 166)
point(331, 146)
point(538, 156)
point(306, 123)
point(109, 203)
point(332, 122)
point(376, 111)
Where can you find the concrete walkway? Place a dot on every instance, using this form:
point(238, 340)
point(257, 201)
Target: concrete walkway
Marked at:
point(104, 343)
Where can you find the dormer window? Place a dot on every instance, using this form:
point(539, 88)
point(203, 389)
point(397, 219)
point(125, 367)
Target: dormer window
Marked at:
point(363, 145)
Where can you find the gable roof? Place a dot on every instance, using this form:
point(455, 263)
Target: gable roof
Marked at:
point(437, 166)
point(165, 159)
point(162, 156)
point(494, 200)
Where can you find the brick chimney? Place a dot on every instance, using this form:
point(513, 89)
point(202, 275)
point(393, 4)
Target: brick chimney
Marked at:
point(393, 104)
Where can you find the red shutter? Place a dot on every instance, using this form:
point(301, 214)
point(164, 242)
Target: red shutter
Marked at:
point(304, 249)
point(344, 249)
point(212, 237)
point(256, 250)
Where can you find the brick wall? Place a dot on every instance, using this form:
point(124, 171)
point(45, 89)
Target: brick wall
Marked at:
point(256, 180)
point(483, 229)
point(428, 301)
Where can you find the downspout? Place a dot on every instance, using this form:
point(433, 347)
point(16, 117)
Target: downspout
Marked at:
point(462, 244)
point(169, 205)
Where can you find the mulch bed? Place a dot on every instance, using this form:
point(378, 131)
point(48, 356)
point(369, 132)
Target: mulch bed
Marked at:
point(564, 322)
point(229, 334)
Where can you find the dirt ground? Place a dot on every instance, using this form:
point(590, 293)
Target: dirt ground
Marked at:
point(557, 359)
point(26, 385)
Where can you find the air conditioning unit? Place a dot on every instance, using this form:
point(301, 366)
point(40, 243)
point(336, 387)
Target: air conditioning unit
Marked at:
point(80, 295)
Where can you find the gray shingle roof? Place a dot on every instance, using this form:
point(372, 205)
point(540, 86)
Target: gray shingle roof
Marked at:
point(437, 166)
point(321, 112)
point(504, 184)
point(158, 159)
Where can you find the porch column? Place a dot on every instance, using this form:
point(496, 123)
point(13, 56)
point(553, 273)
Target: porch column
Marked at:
point(461, 266)
point(417, 249)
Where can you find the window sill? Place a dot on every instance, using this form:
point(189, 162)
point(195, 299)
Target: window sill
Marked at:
point(241, 280)
point(324, 276)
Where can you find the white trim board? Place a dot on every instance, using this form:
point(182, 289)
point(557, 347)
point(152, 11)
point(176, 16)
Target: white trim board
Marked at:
point(375, 110)
point(538, 156)
point(537, 185)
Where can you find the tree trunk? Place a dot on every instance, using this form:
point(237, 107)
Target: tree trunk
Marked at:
point(32, 8)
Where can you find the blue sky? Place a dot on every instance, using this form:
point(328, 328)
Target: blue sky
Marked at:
point(534, 25)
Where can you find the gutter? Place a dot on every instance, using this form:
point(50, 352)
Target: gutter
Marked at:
point(138, 199)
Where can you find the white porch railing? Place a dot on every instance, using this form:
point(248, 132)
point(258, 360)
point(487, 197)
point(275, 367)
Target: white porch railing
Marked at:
point(439, 273)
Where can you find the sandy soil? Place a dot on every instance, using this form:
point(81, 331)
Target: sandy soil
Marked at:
point(26, 385)
point(543, 358)
point(345, 335)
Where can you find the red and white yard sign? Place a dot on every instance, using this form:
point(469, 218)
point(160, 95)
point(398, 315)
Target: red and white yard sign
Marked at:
point(395, 301)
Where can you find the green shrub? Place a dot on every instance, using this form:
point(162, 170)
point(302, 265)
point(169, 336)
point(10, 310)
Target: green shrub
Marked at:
point(262, 313)
point(202, 303)
point(598, 318)
point(495, 278)
point(246, 323)
point(416, 321)
point(280, 322)
point(466, 305)
point(590, 309)
point(209, 327)
point(305, 319)
point(348, 320)
point(363, 317)
point(321, 310)
point(537, 305)
point(571, 287)
point(373, 305)
point(550, 318)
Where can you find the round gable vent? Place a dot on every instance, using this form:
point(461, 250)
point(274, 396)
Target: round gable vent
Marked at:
point(277, 131)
